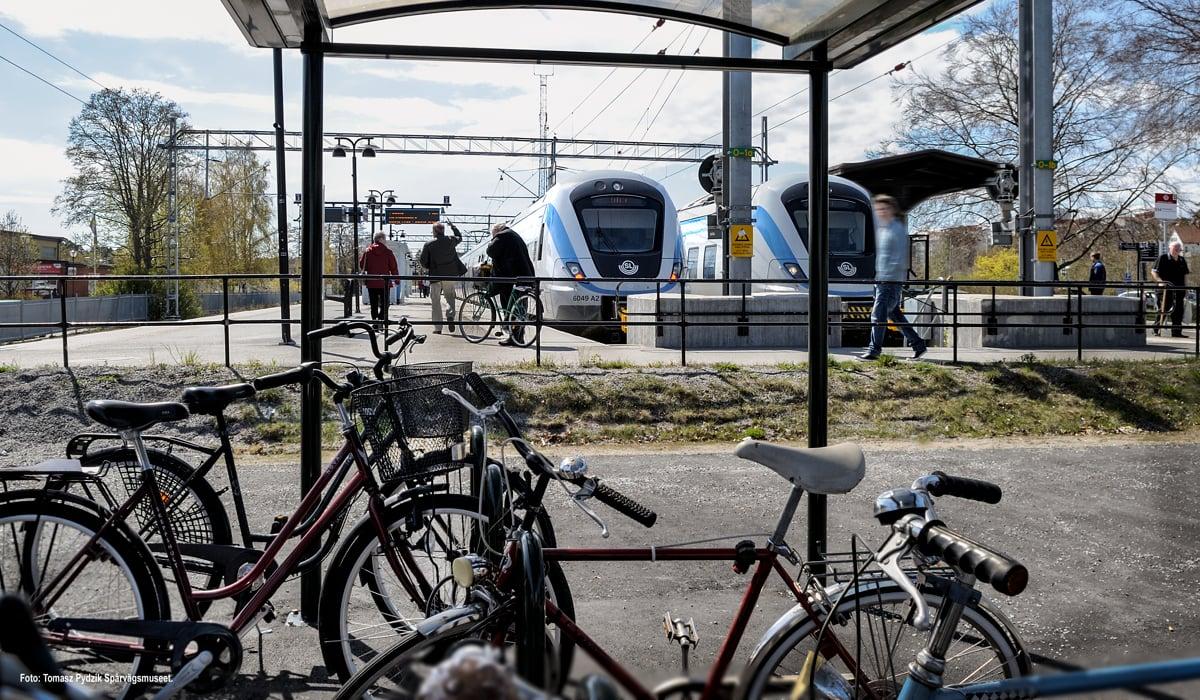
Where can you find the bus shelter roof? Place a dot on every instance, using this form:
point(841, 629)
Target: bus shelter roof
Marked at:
point(914, 177)
point(842, 32)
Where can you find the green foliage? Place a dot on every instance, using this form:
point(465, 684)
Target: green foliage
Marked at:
point(756, 433)
point(726, 367)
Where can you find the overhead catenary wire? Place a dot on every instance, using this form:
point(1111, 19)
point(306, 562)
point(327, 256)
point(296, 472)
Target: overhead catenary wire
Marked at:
point(17, 34)
point(41, 79)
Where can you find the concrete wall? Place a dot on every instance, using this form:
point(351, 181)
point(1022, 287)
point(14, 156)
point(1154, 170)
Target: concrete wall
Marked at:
point(211, 305)
point(1049, 314)
point(702, 312)
point(124, 307)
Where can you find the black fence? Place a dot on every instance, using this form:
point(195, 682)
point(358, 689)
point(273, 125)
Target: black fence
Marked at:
point(679, 308)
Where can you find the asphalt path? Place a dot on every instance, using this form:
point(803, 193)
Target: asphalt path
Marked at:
point(1108, 531)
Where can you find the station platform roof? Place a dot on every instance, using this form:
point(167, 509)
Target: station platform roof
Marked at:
point(842, 32)
point(914, 177)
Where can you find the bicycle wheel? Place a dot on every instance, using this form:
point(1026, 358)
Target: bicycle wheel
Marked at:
point(476, 317)
point(116, 581)
point(364, 606)
point(397, 672)
point(195, 512)
point(884, 642)
point(524, 311)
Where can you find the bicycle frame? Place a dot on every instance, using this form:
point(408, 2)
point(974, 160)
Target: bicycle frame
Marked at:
point(352, 449)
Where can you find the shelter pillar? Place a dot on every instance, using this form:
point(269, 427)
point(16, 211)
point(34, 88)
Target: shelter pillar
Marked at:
point(818, 292)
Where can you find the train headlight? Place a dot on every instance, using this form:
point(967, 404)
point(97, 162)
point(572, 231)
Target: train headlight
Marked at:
point(794, 270)
point(617, 187)
point(575, 270)
point(600, 185)
point(676, 270)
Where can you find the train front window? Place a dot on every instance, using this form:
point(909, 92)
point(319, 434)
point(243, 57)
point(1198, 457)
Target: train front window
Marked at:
point(847, 226)
point(620, 224)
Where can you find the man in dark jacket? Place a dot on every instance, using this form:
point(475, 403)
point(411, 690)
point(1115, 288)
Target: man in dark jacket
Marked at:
point(510, 258)
point(378, 259)
point(440, 258)
point(1172, 270)
point(1098, 273)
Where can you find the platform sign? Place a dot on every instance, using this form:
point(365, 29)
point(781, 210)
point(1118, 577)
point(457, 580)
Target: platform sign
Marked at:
point(1148, 251)
point(414, 215)
point(1166, 207)
point(1047, 245)
point(741, 240)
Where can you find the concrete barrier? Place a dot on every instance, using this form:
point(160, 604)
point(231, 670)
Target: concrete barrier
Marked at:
point(1055, 319)
point(122, 307)
point(713, 321)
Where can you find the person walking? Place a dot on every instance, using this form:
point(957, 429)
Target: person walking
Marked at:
point(440, 258)
point(891, 270)
point(510, 258)
point(1098, 273)
point(378, 259)
point(1172, 271)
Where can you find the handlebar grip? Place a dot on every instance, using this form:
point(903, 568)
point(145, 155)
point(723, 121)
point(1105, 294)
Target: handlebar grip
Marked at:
point(342, 328)
point(625, 505)
point(1005, 574)
point(481, 389)
point(962, 487)
point(296, 375)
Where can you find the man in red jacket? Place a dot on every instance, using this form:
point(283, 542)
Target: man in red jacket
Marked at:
point(378, 259)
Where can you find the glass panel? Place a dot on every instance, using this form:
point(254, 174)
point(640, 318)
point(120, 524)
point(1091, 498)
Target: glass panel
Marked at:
point(619, 230)
point(710, 262)
point(693, 257)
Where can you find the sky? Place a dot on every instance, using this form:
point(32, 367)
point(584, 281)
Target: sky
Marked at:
point(191, 52)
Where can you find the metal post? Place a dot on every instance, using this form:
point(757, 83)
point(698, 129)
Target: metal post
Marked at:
point(354, 263)
point(818, 293)
point(537, 293)
point(765, 162)
point(173, 220)
point(311, 298)
point(954, 327)
point(285, 292)
point(1078, 321)
point(682, 324)
point(736, 177)
point(62, 320)
point(225, 315)
point(1025, 249)
point(1042, 132)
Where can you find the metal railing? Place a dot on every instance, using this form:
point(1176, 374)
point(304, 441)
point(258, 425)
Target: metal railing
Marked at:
point(1066, 313)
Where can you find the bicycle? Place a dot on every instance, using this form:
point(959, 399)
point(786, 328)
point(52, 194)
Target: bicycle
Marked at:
point(506, 601)
point(521, 315)
point(117, 617)
point(973, 562)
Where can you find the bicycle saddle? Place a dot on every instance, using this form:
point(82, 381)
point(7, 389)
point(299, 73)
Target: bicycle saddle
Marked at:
point(211, 400)
point(827, 470)
point(126, 415)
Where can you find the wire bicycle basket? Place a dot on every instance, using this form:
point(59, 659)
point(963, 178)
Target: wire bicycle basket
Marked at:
point(415, 368)
point(412, 431)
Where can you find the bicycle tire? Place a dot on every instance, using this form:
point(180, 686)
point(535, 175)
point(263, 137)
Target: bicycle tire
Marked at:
point(120, 548)
point(476, 317)
point(205, 522)
point(349, 565)
point(992, 628)
point(405, 656)
point(525, 307)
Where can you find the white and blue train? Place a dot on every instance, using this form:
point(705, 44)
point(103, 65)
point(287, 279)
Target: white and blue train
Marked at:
point(780, 212)
point(609, 230)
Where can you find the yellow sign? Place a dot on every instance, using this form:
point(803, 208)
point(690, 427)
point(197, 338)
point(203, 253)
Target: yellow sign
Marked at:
point(741, 241)
point(1047, 245)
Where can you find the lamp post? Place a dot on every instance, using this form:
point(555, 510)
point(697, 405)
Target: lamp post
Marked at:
point(368, 151)
point(377, 197)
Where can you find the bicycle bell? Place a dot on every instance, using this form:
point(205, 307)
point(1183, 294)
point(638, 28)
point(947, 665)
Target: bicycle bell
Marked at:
point(573, 466)
point(892, 505)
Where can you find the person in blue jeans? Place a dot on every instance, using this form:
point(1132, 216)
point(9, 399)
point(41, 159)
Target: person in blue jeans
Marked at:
point(891, 271)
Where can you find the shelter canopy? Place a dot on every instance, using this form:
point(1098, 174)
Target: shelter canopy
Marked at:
point(849, 31)
point(914, 177)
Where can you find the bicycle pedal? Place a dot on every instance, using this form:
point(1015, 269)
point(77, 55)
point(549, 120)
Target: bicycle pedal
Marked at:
point(684, 633)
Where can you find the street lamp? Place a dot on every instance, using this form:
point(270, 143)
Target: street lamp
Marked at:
point(375, 197)
point(368, 151)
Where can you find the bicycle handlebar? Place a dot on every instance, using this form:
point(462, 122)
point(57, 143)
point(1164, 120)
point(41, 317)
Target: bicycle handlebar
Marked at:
point(296, 375)
point(1005, 574)
point(962, 487)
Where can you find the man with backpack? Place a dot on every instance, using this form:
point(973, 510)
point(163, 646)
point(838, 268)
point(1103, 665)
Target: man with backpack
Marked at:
point(440, 258)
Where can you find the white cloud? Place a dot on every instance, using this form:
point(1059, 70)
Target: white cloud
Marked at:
point(31, 179)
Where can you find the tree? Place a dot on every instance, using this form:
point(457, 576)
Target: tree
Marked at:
point(1165, 43)
point(1111, 144)
point(18, 254)
point(233, 229)
point(122, 174)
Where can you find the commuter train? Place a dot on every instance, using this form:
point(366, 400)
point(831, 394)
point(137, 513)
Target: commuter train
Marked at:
point(780, 213)
point(610, 224)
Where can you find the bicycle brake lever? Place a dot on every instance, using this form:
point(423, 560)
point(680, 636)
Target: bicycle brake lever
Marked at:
point(888, 557)
point(586, 490)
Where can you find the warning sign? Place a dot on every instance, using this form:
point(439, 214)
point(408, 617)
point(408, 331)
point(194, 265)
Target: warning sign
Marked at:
point(741, 241)
point(1047, 245)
